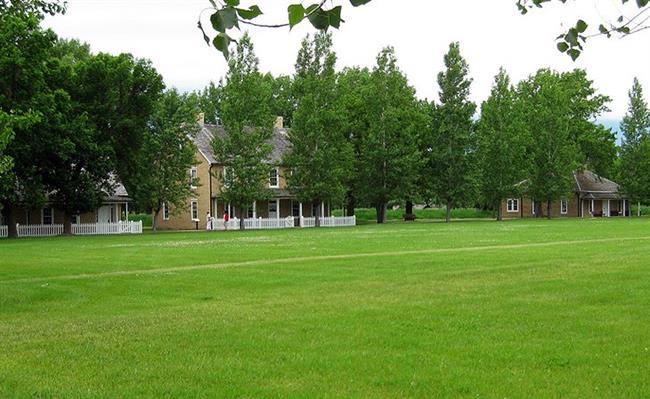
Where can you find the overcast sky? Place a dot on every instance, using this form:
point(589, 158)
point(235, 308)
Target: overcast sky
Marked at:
point(491, 33)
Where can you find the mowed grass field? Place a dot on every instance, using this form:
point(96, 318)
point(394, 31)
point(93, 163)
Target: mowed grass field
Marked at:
point(520, 309)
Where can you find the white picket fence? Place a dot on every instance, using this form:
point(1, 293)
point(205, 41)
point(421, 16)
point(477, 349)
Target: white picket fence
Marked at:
point(284, 223)
point(47, 230)
point(346, 221)
point(107, 228)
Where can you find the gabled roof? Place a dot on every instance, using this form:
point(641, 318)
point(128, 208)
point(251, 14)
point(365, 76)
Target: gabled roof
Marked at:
point(203, 140)
point(589, 182)
point(588, 185)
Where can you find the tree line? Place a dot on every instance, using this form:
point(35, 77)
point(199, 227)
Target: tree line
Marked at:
point(361, 137)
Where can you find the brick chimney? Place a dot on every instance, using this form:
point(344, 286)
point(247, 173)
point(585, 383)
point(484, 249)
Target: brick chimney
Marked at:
point(200, 118)
point(279, 123)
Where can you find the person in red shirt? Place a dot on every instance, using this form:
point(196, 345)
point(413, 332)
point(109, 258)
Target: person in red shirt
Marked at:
point(226, 218)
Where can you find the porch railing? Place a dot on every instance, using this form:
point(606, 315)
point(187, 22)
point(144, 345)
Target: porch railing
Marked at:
point(48, 230)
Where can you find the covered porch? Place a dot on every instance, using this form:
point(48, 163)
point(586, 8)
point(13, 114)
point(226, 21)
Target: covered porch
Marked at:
point(276, 208)
point(604, 206)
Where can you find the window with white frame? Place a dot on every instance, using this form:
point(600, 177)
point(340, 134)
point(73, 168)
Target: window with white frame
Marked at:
point(194, 177)
point(48, 216)
point(513, 205)
point(564, 207)
point(165, 211)
point(194, 210)
point(274, 178)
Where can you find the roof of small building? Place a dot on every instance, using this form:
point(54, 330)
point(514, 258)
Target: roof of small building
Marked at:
point(588, 185)
point(203, 140)
point(589, 182)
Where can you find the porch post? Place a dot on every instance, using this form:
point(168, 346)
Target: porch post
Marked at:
point(624, 210)
point(593, 207)
point(638, 209)
point(300, 211)
point(254, 209)
point(322, 209)
point(277, 207)
point(127, 212)
point(609, 208)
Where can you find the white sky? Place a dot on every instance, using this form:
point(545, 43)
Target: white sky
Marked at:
point(491, 33)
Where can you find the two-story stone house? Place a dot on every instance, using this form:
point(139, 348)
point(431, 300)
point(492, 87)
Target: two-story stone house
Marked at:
point(208, 172)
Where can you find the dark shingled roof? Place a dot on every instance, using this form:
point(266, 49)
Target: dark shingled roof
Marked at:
point(203, 140)
point(590, 184)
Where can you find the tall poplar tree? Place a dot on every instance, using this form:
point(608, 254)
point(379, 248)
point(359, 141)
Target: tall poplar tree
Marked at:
point(451, 154)
point(167, 153)
point(554, 153)
point(320, 158)
point(501, 143)
point(389, 159)
point(354, 87)
point(247, 119)
point(635, 149)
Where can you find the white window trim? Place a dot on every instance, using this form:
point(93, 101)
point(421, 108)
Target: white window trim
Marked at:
point(194, 176)
point(564, 209)
point(165, 211)
point(515, 203)
point(277, 179)
point(192, 204)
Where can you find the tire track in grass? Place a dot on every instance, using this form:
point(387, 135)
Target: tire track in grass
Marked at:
point(263, 262)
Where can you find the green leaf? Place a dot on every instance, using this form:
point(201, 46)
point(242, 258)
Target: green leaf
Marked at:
point(357, 3)
point(574, 53)
point(221, 43)
point(562, 47)
point(581, 26)
point(224, 19)
point(296, 14)
point(641, 3)
point(334, 16)
point(232, 3)
point(250, 13)
point(319, 18)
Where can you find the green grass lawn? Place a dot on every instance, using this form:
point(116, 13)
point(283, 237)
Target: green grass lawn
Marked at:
point(519, 309)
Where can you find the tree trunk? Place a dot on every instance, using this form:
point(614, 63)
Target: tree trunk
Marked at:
point(10, 218)
point(548, 209)
point(352, 203)
point(449, 207)
point(638, 209)
point(317, 215)
point(381, 212)
point(67, 224)
point(242, 222)
point(499, 213)
point(154, 225)
point(409, 207)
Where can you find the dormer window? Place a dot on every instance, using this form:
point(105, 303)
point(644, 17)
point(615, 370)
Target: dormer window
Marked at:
point(274, 178)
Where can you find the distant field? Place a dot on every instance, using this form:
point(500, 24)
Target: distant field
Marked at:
point(518, 309)
point(368, 214)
